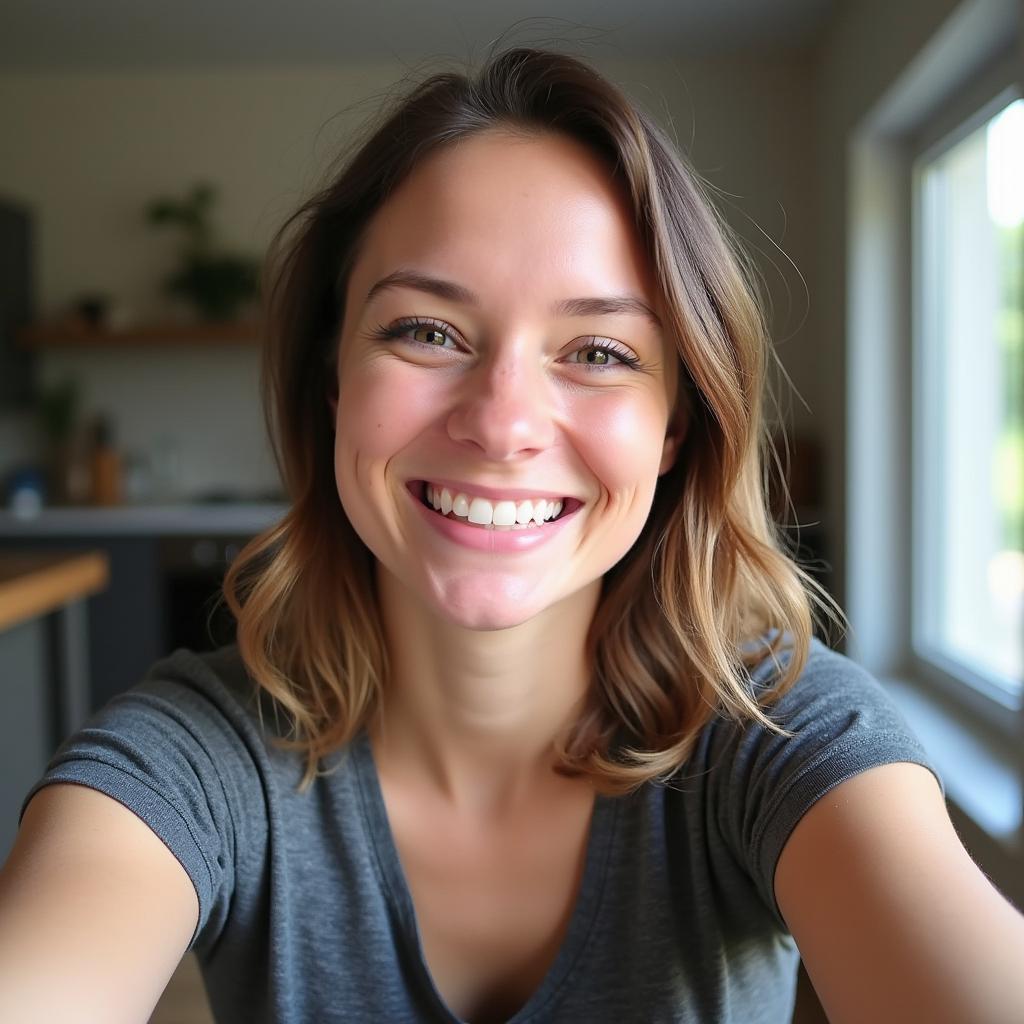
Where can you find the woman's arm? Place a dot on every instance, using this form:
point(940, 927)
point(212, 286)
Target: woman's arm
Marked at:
point(95, 912)
point(893, 919)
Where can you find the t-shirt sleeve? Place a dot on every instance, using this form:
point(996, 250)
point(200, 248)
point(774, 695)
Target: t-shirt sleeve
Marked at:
point(842, 723)
point(167, 751)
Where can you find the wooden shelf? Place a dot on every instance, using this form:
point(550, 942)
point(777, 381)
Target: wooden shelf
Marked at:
point(242, 332)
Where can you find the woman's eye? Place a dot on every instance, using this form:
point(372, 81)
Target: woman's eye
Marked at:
point(606, 353)
point(431, 335)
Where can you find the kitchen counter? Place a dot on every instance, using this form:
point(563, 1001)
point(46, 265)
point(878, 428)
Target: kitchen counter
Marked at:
point(37, 583)
point(185, 519)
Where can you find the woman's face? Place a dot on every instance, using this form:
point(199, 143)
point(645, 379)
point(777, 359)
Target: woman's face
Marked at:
point(505, 379)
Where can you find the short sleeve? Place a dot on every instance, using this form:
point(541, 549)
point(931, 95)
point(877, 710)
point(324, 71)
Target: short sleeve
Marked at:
point(842, 723)
point(167, 752)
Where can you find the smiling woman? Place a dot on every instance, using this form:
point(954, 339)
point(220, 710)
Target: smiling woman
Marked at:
point(556, 730)
point(516, 284)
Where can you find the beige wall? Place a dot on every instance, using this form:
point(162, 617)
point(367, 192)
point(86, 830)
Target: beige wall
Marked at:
point(868, 45)
point(87, 151)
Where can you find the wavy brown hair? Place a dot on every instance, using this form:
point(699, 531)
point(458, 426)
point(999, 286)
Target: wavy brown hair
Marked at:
point(707, 591)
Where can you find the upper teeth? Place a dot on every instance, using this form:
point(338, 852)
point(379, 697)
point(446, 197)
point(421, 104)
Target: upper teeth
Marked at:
point(484, 512)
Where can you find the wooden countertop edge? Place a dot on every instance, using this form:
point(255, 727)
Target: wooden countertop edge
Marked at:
point(34, 584)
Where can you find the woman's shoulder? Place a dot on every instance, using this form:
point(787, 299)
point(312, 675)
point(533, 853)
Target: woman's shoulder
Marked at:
point(833, 703)
point(835, 713)
point(193, 713)
point(833, 722)
point(201, 670)
point(831, 692)
point(208, 683)
point(189, 708)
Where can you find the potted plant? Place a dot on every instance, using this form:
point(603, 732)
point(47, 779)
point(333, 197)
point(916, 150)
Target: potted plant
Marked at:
point(217, 284)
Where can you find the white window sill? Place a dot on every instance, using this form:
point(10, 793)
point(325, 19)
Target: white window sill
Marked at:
point(983, 774)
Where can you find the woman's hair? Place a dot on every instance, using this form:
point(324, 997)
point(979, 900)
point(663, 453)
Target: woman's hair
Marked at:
point(707, 591)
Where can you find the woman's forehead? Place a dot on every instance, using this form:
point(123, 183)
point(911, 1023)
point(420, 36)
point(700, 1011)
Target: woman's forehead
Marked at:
point(540, 213)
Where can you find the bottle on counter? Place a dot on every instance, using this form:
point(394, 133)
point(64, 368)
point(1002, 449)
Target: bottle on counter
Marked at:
point(105, 464)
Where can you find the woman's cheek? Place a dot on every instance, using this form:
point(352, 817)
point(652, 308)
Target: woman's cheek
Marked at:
point(624, 442)
point(385, 409)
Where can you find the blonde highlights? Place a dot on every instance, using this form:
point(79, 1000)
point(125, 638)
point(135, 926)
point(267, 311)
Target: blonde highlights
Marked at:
point(707, 592)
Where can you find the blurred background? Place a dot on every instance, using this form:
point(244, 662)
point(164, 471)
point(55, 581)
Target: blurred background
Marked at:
point(869, 154)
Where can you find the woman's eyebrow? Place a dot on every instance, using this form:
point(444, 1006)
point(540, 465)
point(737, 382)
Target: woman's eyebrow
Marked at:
point(453, 292)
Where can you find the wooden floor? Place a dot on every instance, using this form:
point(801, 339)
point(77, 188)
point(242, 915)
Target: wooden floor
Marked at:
point(184, 999)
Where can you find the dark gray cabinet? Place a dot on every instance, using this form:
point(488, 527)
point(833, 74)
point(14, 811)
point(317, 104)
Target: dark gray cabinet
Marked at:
point(26, 725)
point(125, 622)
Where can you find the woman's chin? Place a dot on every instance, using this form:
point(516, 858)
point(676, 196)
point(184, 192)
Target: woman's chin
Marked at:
point(501, 605)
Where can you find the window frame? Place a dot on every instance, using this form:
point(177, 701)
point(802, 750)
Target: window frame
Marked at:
point(977, 746)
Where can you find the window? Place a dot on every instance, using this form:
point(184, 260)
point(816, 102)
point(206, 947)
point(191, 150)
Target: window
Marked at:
point(967, 613)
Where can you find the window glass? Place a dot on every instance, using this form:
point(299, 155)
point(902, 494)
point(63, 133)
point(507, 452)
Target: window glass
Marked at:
point(969, 429)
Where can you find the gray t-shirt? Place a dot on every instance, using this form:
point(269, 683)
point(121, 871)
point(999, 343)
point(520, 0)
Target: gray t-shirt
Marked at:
point(304, 913)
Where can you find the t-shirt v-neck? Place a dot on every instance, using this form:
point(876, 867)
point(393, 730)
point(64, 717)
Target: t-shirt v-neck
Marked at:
point(600, 841)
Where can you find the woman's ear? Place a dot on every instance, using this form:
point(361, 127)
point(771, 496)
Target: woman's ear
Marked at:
point(674, 438)
point(669, 452)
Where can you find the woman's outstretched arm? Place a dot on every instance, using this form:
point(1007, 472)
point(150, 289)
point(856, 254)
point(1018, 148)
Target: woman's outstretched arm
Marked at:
point(95, 912)
point(893, 919)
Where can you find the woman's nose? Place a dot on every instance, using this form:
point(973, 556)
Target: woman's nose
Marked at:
point(504, 409)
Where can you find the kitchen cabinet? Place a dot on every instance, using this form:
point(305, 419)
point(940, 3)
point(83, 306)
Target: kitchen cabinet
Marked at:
point(43, 654)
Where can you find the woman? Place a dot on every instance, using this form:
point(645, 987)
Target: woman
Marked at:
point(555, 731)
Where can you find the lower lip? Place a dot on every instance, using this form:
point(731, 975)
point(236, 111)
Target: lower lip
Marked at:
point(497, 541)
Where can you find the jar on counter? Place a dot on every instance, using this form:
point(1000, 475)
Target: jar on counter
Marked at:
point(105, 464)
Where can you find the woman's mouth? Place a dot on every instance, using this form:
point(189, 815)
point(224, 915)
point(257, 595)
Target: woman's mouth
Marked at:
point(488, 514)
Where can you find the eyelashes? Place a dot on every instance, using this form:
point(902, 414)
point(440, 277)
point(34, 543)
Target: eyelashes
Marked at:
point(400, 330)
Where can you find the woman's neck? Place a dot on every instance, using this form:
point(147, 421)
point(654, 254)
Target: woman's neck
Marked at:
point(470, 716)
